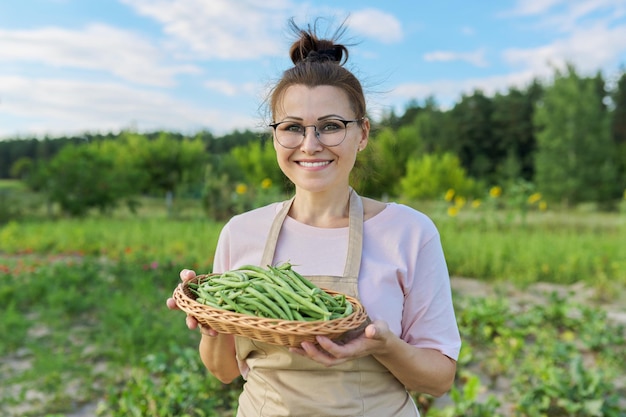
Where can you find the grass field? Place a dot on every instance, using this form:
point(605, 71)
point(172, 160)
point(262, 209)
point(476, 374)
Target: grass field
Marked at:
point(84, 322)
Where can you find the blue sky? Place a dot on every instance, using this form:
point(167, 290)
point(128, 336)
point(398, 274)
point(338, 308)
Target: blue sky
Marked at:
point(74, 66)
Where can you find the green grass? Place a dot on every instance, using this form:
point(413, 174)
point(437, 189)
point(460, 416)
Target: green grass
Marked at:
point(83, 315)
point(558, 246)
point(158, 240)
point(11, 185)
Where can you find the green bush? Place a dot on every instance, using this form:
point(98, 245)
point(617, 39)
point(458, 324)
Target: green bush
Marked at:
point(430, 176)
point(170, 385)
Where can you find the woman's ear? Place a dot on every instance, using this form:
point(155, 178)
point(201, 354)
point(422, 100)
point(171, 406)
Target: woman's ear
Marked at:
point(365, 133)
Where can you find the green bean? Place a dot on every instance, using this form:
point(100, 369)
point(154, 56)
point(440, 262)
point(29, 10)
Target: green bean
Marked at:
point(207, 295)
point(279, 277)
point(273, 306)
point(280, 300)
point(252, 302)
point(231, 283)
point(289, 281)
point(239, 275)
point(305, 302)
point(301, 279)
point(276, 292)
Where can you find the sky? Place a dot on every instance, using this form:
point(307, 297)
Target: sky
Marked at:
point(99, 66)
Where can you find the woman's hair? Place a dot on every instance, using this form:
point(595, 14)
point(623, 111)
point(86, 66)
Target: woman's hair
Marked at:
point(319, 62)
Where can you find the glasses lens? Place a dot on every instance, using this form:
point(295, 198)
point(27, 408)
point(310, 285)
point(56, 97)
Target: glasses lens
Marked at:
point(331, 132)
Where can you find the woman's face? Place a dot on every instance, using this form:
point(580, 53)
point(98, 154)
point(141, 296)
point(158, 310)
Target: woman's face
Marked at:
point(312, 166)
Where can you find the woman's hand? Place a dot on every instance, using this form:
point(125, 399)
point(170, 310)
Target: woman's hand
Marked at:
point(192, 323)
point(373, 340)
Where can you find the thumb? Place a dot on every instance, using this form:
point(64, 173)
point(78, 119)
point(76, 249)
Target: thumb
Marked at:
point(371, 332)
point(377, 330)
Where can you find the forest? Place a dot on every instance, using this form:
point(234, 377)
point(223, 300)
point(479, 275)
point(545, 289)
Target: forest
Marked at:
point(564, 140)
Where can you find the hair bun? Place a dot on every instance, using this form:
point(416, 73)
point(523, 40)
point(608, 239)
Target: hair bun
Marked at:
point(309, 48)
point(332, 54)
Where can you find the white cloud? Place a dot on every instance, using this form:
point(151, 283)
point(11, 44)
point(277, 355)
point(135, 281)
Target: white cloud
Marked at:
point(231, 89)
point(567, 15)
point(51, 106)
point(476, 58)
point(533, 7)
point(589, 49)
point(468, 31)
point(220, 29)
point(97, 47)
point(377, 25)
point(448, 92)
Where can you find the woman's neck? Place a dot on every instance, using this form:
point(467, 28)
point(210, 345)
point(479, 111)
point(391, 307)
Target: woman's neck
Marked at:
point(327, 209)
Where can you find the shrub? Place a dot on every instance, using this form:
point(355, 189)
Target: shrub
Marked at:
point(431, 175)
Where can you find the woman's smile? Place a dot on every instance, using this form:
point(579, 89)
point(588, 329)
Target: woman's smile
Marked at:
point(313, 164)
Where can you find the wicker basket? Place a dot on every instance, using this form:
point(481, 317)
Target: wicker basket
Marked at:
point(269, 330)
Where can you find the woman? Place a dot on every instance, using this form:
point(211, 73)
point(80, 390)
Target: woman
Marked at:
point(386, 254)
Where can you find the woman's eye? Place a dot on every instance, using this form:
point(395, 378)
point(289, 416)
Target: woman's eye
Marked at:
point(330, 127)
point(294, 128)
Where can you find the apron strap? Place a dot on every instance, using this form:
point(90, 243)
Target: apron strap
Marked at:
point(355, 235)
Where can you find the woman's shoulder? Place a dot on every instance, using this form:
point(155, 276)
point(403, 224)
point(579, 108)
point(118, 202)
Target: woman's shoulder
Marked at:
point(255, 217)
point(394, 215)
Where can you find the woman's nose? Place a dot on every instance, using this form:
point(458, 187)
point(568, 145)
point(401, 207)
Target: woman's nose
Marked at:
point(310, 141)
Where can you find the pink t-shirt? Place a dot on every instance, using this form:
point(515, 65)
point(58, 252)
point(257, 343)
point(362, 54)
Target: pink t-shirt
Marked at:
point(403, 277)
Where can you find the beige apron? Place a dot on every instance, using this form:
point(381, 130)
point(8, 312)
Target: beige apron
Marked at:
point(280, 383)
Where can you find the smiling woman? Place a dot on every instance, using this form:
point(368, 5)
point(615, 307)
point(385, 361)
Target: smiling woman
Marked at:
point(387, 255)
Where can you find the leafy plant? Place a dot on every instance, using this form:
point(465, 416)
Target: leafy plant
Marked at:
point(467, 403)
point(166, 387)
point(575, 390)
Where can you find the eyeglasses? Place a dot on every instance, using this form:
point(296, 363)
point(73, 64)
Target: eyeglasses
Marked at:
point(328, 132)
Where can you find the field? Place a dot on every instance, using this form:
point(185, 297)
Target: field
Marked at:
point(85, 330)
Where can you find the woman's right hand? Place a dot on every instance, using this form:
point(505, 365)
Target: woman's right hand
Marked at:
point(192, 323)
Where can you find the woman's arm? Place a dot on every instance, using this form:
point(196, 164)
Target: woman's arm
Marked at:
point(217, 352)
point(421, 370)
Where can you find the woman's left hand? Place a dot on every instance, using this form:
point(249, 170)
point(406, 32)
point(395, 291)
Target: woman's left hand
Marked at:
point(373, 340)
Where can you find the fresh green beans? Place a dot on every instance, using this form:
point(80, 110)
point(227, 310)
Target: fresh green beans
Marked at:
point(278, 292)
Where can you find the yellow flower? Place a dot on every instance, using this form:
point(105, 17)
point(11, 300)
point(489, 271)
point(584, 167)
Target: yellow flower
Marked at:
point(495, 191)
point(241, 189)
point(459, 201)
point(568, 336)
point(450, 195)
point(533, 198)
point(543, 206)
point(266, 183)
point(476, 203)
point(453, 211)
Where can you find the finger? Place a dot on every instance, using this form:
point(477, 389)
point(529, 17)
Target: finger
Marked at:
point(297, 350)
point(187, 274)
point(191, 322)
point(371, 331)
point(207, 331)
point(171, 304)
point(320, 355)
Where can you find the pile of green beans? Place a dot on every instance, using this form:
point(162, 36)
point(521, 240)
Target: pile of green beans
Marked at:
point(277, 292)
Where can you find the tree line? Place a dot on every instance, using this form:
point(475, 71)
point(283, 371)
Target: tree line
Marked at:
point(565, 139)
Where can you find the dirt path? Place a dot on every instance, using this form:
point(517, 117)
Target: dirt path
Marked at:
point(539, 293)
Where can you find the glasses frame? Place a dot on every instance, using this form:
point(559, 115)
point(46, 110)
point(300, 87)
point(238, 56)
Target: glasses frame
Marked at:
point(317, 134)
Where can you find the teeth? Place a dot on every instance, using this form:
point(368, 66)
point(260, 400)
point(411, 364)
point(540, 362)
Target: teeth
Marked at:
point(313, 164)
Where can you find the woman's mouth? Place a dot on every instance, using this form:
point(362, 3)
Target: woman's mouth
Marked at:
point(316, 164)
